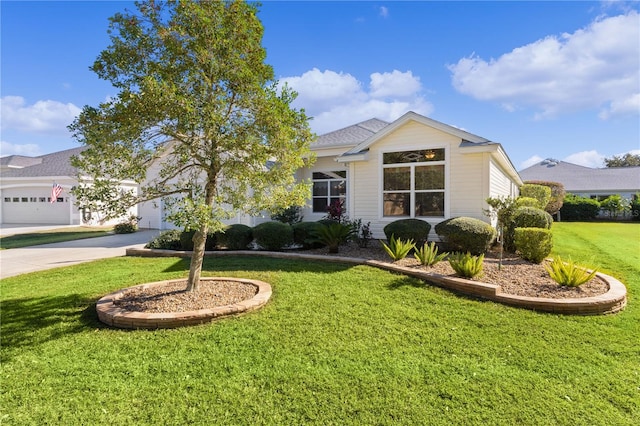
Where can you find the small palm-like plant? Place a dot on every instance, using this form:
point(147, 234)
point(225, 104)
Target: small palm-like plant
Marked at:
point(397, 248)
point(333, 235)
point(466, 265)
point(567, 273)
point(428, 254)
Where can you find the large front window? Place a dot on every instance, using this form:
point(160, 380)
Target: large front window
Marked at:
point(328, 188)
point(413, 183)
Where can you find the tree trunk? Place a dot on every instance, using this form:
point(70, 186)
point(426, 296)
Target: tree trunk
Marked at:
point(199, 241)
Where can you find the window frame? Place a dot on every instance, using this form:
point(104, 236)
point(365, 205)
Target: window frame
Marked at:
point(328, 197)
point(412, 182)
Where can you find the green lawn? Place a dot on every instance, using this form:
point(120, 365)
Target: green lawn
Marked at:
point(335, 345)
point(51, 236)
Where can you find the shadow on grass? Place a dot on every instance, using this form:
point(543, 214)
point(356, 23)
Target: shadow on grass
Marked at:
point(260, 264)
point(406, 282)
point(32, 321)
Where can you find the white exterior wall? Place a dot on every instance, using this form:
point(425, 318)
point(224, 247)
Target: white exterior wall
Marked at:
point(324, 164)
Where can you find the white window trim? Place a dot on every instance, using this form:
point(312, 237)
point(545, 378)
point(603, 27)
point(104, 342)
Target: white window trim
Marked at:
point(447, 189)
point(347, 188)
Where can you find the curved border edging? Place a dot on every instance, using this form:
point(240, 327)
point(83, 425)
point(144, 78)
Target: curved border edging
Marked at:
point(610, 302)
point(111, 315)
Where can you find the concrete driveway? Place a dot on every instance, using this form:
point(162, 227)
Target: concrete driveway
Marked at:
point(48, 256)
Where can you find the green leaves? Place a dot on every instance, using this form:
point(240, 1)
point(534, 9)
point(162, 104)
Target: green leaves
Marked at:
point(397, 248)
point(567, 273)
point(466, 265)
point(428, 254)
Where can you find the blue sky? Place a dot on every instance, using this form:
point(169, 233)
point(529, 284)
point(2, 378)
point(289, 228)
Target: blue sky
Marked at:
point(544, 79)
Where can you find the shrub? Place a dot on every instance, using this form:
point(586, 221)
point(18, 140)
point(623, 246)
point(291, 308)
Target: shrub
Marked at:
point(504, 209)
point(273, 235)
point(635, 207)
point(127, 227)
point(579, 208)
point(531, 217)
point(557, 195)
point(466, 265)
point(408, 229)
point(614, 205)
point(362, 232)
point(538, 192)
point(397, 248)
point(527, 202)
point(290, 215)
point(534, 244)
point(336, 211)
point(568, 273)
point(212, 241)
point(186, 240)
point(303, 234)
point(466, 234)
point(235, 237)
point(428, 254)
point(167, 240)
point(333, 235)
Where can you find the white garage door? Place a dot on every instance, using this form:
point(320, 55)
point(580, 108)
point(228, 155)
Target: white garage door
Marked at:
point(31, 205)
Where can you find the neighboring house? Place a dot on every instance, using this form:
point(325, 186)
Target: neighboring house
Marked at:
point(26, 188)
point(585, 181)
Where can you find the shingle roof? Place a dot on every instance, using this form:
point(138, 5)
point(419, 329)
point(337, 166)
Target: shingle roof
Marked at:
point(54, 164)
point(580, 178)
point(351, 135)
point(19, 161)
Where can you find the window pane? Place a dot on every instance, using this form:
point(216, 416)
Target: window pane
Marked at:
point(430, 177)
point(339, 174)
point(397, 179)
point(413, 156)
point(320, 188)
point(430, 204)
point(338, 187)
point(396, 204)
point(319, 205)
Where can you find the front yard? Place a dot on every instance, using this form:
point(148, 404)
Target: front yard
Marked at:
point(335, 345)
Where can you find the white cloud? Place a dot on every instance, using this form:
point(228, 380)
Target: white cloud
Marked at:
point(535, 159)
point(336, 100)
point(41, 117)
point(395, 83)
point(29, 150)
point(594, 67)
point(586, 158)
point(383, 11)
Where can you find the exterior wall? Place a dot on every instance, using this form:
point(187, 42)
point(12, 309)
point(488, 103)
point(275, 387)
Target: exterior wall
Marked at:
point(324, 164)
point(366, 176)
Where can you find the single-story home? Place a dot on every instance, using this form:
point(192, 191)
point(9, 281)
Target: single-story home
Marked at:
point(26, 185)
point(586, 181)
point(414, 167)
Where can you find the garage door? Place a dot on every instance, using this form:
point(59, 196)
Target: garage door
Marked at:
point(31, 205)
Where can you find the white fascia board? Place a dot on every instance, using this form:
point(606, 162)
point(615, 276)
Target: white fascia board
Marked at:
point(350, 158)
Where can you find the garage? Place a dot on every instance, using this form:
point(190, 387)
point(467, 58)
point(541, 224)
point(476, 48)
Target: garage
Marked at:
point(32, 205)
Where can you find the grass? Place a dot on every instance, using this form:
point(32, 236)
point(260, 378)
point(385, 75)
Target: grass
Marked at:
point(335, 345)
point(51, 236)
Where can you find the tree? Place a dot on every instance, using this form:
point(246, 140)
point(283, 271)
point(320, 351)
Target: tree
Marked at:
point(198, 119)
point(626, 160)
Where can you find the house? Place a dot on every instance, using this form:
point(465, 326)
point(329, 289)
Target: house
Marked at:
point(586, 181)
point(414, 167)
point(26, 189)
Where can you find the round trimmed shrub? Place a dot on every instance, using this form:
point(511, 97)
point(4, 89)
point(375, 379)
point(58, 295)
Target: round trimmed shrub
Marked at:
point(125, 228)
point(527, 202)
point(531, 217)
point(186, 240)
point(533, 244)
point(167, 240)
point(408, 229)
point(466, 234)
point(303, 234)
point(579, 208)
point(235, 237)
point(273, 235)
point(539, 192)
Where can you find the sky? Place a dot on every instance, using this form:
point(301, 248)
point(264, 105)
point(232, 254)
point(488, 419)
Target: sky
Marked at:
point(546, 79)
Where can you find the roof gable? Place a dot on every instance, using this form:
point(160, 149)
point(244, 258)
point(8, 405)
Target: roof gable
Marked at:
point(54, 164)
point(466, 137)
point(351, 135)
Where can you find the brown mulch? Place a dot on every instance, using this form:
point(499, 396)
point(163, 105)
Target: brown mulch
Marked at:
point(517, 277)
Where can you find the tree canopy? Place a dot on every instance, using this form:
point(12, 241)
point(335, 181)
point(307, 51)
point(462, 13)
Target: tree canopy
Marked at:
point(626, 160)
point(198, 119)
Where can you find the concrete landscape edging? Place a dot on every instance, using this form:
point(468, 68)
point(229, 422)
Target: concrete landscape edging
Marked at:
point(614, 300)
point(114, 316)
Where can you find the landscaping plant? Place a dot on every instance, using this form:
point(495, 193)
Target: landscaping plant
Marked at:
point(408, 229)
point(273, 235)
point(466, 234)
point(466, 265)
point(534, 244)
point(397, 248)
point(568, 273)
point(428, 254)
point(333, 235)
